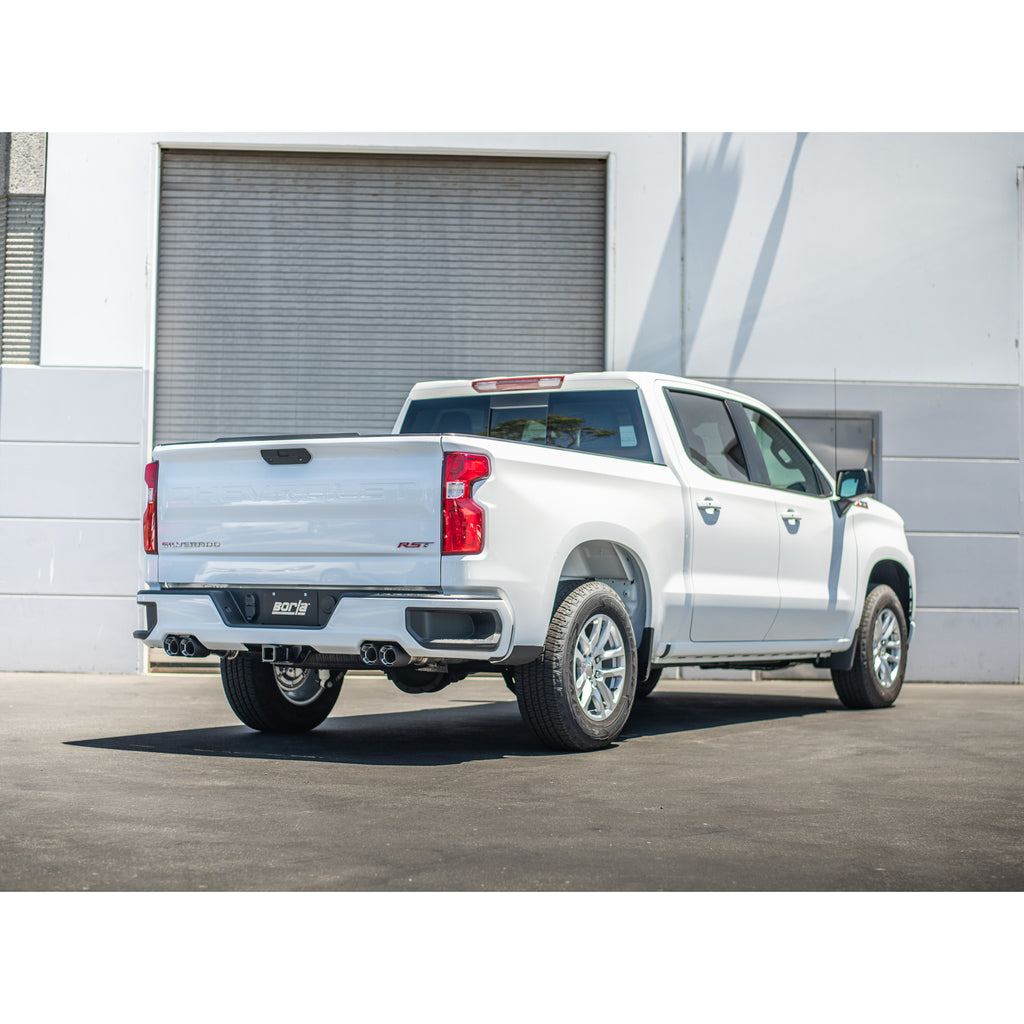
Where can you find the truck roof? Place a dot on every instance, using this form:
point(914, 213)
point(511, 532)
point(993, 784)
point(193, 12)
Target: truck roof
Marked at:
point(590, 381)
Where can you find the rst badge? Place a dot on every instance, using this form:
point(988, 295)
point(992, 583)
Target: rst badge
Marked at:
point(415, 543)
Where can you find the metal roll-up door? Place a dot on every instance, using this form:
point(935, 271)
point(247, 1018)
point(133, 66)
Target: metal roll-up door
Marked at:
point(306, 292)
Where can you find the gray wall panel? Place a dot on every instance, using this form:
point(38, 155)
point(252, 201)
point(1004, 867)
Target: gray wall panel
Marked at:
point(41, 403)
point(95, 634)
point(65, 557)
point(957, 571)
point(52, 481)
point(958, 496)
point(956, 422)
point(965, 647)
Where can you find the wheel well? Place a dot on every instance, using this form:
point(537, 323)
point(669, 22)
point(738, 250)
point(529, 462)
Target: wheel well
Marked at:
point(613, 564)
point(892, 574)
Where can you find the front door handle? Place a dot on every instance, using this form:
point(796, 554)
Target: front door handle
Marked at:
point(709, 505)
point(791, 516)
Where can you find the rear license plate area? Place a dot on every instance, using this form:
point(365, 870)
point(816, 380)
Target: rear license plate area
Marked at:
point(289, 608)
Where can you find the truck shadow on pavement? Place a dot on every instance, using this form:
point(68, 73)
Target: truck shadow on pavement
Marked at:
point(443, 736)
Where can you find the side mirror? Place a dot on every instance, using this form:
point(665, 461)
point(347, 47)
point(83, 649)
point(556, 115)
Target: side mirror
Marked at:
point(852, 484)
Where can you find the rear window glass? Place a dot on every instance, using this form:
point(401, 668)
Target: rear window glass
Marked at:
point(602, 422)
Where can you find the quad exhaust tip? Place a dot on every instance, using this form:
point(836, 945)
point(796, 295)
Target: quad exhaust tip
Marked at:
point(184, 647)
point(386, 655)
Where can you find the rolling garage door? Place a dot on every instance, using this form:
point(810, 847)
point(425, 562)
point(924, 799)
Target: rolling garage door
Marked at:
point(307, 292)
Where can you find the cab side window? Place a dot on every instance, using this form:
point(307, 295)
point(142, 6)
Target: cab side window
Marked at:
point(787, 465)
point(708, 435)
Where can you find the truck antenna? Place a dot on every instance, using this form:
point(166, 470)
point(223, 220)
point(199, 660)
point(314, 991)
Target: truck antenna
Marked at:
point(835, 423)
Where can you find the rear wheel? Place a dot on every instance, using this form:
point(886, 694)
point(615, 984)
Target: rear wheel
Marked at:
point(578, 694)
point(276, 698)
point(881, 654)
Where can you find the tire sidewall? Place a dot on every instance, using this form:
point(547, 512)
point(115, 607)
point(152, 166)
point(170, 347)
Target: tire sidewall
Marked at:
point(604, 601)
point(880, 599)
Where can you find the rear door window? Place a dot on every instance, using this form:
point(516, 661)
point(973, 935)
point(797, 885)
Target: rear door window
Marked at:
point(708, 435)
point(601, 422)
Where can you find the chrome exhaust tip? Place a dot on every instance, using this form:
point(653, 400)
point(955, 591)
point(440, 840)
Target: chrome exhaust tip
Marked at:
point(392, 656)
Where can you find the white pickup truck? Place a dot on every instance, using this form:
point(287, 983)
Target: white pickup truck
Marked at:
point(576, 533)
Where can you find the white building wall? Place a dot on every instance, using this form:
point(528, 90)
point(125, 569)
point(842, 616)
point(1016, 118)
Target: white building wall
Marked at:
point(75, 430)
point(892, 261)
point(883, 271)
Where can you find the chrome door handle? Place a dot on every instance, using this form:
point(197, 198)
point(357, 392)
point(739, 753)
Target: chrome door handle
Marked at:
point(790, 515)
point(708, 505)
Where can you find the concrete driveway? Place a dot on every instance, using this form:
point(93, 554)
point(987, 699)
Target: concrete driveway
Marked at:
point(150, 783)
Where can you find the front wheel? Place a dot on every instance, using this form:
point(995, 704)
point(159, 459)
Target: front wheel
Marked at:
point(881, 654)
point(578, 694)
point(276, 698)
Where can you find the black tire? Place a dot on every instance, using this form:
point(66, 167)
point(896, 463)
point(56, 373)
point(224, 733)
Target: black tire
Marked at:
point(258, 699)
point(646, 688)
point(591, 717)
point(876, 678)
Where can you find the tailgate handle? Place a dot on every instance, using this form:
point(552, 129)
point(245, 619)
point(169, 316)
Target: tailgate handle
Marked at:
point(285, 456)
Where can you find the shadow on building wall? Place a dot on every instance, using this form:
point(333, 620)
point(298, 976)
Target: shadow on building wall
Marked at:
point(711, 192)
point(765, 261)
point(661, 348)
point(710, 189)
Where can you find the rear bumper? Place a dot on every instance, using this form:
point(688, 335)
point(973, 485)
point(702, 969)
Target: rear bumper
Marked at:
point(439, 627)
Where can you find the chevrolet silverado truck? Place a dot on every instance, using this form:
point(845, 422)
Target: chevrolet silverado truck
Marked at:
point(577, 533)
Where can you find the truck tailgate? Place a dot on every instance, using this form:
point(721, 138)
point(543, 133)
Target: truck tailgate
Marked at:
point(362, 511)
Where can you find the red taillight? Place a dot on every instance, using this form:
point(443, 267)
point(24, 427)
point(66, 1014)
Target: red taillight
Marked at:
point(518, 384)
point(463, 517)
point(149, 519)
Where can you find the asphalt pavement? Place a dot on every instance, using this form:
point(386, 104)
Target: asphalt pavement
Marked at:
point(149, 783)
